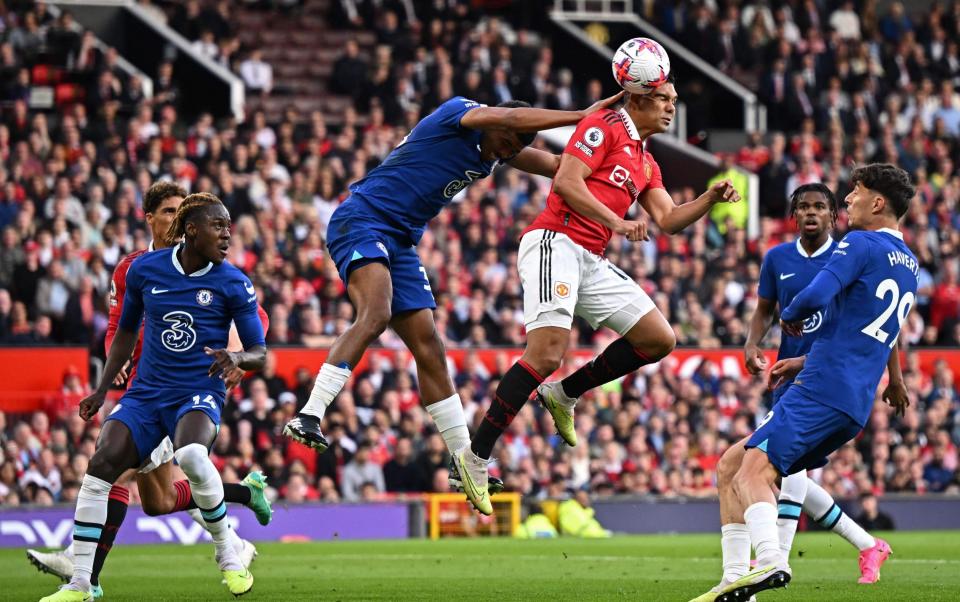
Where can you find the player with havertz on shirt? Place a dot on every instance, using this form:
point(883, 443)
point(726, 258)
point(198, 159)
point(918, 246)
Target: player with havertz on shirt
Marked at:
point(604, 169)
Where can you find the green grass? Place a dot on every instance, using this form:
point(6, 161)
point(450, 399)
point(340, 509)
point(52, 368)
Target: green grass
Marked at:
point(925, 566)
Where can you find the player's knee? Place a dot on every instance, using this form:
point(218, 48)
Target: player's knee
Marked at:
point(547, 361)
point(155, 507)
point(662, 346)
point(104, 466)
point(727, 468)
point(373, 322)
point(191, 457)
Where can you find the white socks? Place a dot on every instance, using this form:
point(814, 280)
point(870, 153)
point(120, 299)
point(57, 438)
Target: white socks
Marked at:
point(761, 519)
point(207, 490)
point(330, 381)
point(89, 517)
point(235, 540)
point(821, 507)
point(735, 545)
point(448, 415)
point(793, 490)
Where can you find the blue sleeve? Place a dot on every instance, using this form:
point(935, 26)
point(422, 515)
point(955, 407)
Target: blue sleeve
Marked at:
point(768, 279)
point(242, 301)
point(132, 314)
point(449, 114)
point(849, 259)
point(818, 293)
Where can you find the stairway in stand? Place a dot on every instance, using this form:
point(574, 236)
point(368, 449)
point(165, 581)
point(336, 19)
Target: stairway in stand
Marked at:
point(302, 49)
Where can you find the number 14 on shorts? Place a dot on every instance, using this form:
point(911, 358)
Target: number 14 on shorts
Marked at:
point(208, 400)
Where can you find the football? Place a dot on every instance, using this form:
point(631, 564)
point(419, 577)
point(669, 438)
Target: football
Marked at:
point(640, 65)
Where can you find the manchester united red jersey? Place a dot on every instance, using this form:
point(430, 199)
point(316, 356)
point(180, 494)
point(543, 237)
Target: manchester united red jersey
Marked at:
point(118, 287)
point(608, 142)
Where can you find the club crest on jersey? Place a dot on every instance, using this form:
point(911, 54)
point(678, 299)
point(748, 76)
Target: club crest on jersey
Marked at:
point(647, 170)
point(382, 247)
point(813, 323)
point(593, 137)
point(562, 289)
point(204, 297)
point(619, 175)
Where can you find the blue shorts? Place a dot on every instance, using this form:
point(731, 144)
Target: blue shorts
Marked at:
point(355, 239)
point(800, 433)
point(153, 415)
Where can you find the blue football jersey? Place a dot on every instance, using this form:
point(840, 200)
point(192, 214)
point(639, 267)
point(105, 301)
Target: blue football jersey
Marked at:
point(877, 278)
point(182, 314)
point(787, 270)
point(434, 162)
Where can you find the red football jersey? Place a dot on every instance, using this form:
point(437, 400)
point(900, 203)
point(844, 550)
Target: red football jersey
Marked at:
point(608, 142)
point(118, 287)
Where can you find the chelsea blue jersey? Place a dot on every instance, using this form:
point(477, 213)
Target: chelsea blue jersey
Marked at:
point(182, 314)
point(436, 160)
point(787, 270)
point(877, 276)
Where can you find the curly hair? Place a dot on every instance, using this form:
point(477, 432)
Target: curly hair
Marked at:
point(160, 192)
point(815, 188)
point(192, 206)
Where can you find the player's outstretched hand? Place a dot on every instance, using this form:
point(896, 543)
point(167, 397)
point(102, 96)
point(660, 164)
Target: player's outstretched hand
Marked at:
point(91, 404)
point(895, 395)
point(223, 362)
point(784, 370)
point(603, 103)
point(794, 329)
point(634, 230)
point(724, 192)
point(122, 375)
point(755, 359)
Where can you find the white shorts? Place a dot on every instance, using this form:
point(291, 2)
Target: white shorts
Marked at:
point(562, 279)
point(159, 456)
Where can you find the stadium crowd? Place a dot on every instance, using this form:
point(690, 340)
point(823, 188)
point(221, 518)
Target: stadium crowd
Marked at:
point(72, 179)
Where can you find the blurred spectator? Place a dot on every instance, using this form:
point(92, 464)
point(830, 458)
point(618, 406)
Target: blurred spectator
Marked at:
point(359, 472)
point(871, 518)
point(256, 73)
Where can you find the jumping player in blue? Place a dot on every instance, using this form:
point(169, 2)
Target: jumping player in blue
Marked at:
point(372, 238)
point(186, 296)
point(868, 287)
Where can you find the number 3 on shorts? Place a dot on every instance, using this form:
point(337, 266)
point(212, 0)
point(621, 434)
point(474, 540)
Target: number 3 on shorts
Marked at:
point(197, 402)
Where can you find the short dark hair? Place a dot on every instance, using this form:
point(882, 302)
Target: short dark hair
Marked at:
point(526, 138)
point(817, 188)
point(890, 181)
point(160, 192)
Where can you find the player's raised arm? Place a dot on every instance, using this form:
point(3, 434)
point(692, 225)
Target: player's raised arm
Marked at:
point(571, 184)
point(529, 119)
point(673, 218)
point(536, 161)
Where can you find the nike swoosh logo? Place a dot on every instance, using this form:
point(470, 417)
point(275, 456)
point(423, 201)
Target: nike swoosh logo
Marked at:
point(843, 245)
point(468, 483)
point(785, 276)
point(157, 291)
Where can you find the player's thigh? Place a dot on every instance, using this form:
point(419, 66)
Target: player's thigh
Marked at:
point(408, 279)
point(370, 288)
point(157, 493)
point(608, 297)
point(651, 334)
point(116, 452)
point(546, 346)
point(195, 426)
point(549, 266)
point(730, 461)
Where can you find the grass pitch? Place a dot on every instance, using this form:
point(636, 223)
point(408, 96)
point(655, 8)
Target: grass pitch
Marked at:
point(925, 566)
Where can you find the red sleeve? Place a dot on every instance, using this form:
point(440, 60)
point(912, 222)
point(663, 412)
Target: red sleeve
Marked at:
point(654, 179)
point(592, 138)
point(264, 319)
point(118, 287)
